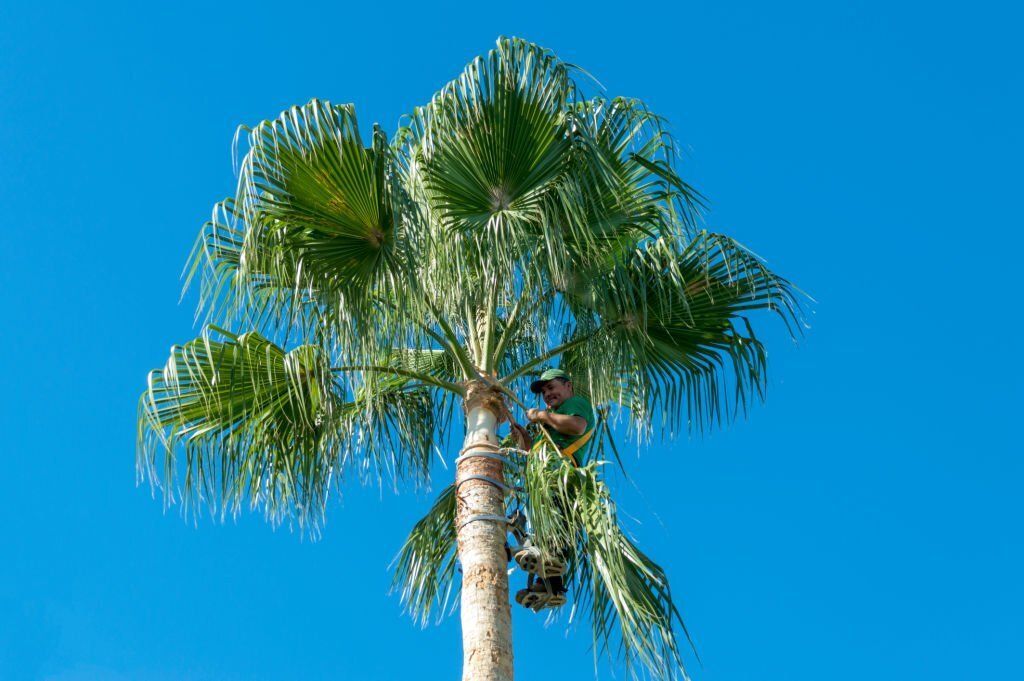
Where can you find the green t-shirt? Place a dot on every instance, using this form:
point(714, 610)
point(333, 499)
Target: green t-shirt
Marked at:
point(574, 406)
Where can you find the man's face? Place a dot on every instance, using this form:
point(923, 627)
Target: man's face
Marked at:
point(555, 392)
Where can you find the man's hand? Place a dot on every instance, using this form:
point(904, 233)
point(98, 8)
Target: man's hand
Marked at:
point(537, 415)
point(567, 424)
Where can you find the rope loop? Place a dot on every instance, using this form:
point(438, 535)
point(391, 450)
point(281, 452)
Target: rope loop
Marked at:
point(497, 483)
point(483, 516)
point(483, 450)
point(482, 455)
point(483, 444)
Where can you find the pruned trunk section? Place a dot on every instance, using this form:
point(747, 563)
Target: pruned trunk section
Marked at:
point(485, 611)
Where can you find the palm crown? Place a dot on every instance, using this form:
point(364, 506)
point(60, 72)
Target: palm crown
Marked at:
point(511, 223)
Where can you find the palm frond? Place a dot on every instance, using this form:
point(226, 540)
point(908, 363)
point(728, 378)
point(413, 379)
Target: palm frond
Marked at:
point(396, 424)
point(485, 158)
point(490, 142)
point(424, 569)
point(401, 414)
point(249, 296)
point(251, 419)
point(672, 330)
point(325, 222)
point(261, 426)
point(624, 186)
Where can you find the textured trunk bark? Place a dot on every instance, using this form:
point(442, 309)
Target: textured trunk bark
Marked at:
point(486, 617)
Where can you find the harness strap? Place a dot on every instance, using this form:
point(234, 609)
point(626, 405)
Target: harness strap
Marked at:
point(574, 447)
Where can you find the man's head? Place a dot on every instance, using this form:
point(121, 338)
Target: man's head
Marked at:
point(554, 386)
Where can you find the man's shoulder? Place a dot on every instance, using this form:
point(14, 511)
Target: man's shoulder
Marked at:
point(580, 399)
point(580, 406)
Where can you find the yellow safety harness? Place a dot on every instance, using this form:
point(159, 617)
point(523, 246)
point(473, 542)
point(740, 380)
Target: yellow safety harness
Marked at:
point(570, 450)
point(575, 446)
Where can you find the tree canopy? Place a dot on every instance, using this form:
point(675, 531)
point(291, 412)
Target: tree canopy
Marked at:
point(353, 287)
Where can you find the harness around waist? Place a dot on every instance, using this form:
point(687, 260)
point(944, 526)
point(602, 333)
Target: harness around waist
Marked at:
point(573, 447)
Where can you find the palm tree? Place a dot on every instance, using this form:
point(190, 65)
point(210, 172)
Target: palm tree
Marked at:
point(372, 288)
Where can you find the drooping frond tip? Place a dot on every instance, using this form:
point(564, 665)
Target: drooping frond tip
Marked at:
point(424, 570)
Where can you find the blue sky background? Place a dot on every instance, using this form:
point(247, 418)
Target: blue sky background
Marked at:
point(864, 522)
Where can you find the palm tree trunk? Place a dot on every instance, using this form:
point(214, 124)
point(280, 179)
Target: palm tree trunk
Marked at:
point(486, 618)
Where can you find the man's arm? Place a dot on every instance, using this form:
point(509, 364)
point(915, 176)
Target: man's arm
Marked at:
point(521, 436)
point(566, 424)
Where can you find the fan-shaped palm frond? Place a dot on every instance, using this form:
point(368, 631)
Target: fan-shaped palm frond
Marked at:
point(316, 233)
point(626, 188)
point(671, 330)
point(253, 294)
point(491, 142)
point(310, 188)
point(274, 428)
point(250, 416)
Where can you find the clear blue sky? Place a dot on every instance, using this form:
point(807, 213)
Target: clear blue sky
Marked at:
point(864, 522)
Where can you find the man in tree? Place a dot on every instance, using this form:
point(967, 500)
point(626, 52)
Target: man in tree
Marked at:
point(569, 422)
point(569, 417)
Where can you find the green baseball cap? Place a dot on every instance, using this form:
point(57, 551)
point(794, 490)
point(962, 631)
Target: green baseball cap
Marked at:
point(538, 385)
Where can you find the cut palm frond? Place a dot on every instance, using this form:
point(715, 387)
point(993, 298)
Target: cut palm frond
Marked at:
point(625, 594)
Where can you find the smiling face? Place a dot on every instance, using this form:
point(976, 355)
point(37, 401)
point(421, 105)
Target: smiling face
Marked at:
point(556, 391)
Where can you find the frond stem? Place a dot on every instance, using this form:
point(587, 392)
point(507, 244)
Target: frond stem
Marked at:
point(510, 327)
point(549, 354)
point(406, 373)
point(448, 341)
point(490, 319)
point(461, 357)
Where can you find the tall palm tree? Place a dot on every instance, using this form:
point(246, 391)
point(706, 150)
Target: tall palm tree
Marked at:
point(371, 288)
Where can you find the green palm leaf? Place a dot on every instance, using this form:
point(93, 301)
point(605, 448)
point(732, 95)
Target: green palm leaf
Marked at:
point(672, 331)
point(272, 429)
point(325, 221)
point(424, 569)
point(625, 185)
point(489, 143)
point(250, 418)
point(230, 293)
point(309, 182)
